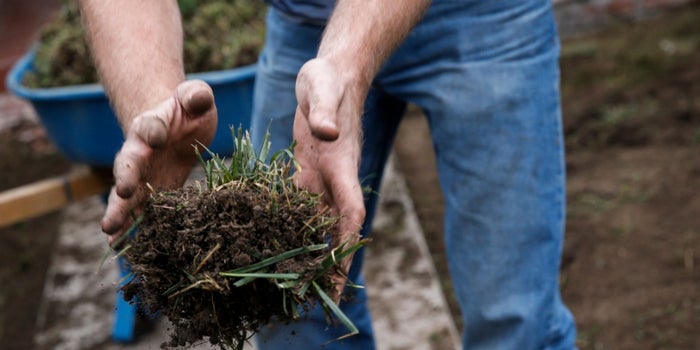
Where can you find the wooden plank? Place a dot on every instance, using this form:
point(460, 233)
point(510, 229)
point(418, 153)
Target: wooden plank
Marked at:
point(42, 197)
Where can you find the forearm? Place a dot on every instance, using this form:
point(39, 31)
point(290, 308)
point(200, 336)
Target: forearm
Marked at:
point(137, 48)
point(361, 34)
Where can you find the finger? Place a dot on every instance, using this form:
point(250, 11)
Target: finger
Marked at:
point(114, 238)
point(305, 153)
point(350, 204)
point(348, 199)
point(339, 281)
point(116, 214)
point(339, 278)
point(196, 97)
point(152, 128)
point(323, 111)
point(130, 165)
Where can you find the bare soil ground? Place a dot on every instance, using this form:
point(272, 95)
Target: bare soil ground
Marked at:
point(25, 156)
point(632, 122)
point(630, 274)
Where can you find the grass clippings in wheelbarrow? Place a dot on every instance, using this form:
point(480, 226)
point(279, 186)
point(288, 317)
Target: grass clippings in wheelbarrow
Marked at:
point(218, 35)
point(223, 259)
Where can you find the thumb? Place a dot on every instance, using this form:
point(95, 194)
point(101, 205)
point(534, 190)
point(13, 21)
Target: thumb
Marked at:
point(152, 128)
point(196, 97)
point(319, 100)
point(323, 123)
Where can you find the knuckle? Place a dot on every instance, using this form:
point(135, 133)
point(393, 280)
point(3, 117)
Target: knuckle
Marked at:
point(153, 131)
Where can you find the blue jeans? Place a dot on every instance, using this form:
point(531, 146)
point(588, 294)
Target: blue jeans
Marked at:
point(486, 75)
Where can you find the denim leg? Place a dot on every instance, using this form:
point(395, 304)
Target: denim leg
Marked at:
point(501, 169)
point(288, 45)
point(487, 76)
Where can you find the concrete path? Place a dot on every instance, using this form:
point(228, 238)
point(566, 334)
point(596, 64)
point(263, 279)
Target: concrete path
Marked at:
point(408, 308)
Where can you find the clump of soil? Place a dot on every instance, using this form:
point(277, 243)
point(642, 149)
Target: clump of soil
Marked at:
point(223, 261)
point(219, 34)
point(188, 238)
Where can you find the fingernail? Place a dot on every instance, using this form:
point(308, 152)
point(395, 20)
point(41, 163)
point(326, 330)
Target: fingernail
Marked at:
point(199, 103)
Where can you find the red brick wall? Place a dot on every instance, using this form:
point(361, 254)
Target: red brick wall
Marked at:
point(577, 17)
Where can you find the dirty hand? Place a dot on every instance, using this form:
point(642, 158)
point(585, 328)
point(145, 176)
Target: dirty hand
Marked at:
point(327, 128)
point(158, 150)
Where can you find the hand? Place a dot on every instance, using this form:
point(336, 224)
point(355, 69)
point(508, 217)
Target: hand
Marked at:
point(327, 127)
point(158, 151)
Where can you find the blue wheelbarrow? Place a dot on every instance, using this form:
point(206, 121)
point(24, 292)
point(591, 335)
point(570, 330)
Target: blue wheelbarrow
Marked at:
point(81, 124)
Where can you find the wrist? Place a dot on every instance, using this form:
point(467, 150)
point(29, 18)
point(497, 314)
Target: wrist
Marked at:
point(356, 69)
point(152, 96)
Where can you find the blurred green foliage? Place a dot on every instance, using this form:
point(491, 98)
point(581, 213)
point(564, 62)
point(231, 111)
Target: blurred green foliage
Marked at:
point(219, 34)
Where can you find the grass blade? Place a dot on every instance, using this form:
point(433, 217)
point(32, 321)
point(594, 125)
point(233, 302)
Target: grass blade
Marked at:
point(250, 277)
point(173, 288)
point(121, 252)
point(328, 302)
point(288, 284)
point(243, 281)
point(275, 259)
point(281, 276)
point(333, 259)
point(265, 148)
point(206, 165)
point(303, 289)
point(119, 241)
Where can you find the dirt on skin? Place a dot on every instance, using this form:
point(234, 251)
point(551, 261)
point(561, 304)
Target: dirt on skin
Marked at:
point(189, 236)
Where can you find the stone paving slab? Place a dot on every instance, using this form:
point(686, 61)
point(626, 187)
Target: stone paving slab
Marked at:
point(408, 308)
